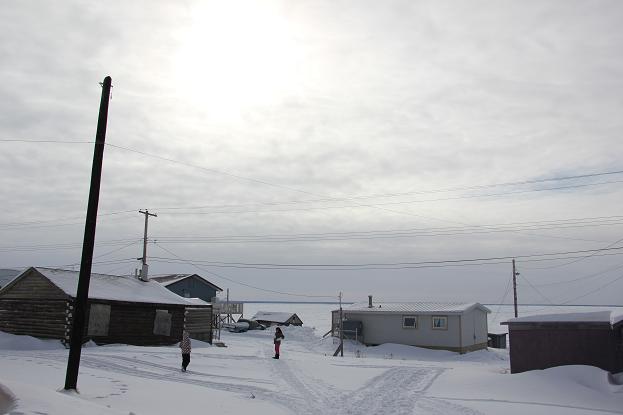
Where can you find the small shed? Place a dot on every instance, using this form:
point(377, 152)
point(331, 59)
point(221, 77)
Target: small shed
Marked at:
point(458, 327)
point(543, 341)
point(189, 286)
point(272, 318)
point(121, 309)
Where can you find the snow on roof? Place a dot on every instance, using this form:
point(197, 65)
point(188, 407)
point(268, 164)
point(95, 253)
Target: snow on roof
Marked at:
point(277, 317)
point(113, 287)
point(196, 301)
point(608, 316)
point(416, 307)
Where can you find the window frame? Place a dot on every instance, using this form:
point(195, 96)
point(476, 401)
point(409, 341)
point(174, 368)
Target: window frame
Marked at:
point(415, 321)
point(444, 318)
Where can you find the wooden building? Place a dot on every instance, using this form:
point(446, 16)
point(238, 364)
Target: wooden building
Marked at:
point(543, 341)
point(40, 301)
point(458, 327)
point(273, 318)
point(189, 286)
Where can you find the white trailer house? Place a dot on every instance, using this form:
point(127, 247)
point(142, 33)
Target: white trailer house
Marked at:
point(458, 327)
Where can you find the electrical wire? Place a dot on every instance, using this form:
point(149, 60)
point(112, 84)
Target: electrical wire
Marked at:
point(580, 259)
point(394, 233)
point(582, 278)
point(223, 277)
point(240, 177)
point(536, 290)
point(398, 265)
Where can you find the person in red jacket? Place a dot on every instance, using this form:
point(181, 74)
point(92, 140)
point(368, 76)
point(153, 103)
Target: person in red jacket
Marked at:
point(185, 346)
point(277, 340)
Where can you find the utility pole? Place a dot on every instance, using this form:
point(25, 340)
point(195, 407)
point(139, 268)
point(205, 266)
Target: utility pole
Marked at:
point(144, 268)
point(230, 318)
point(88, 244)
point(515, 273)
point(341, 328)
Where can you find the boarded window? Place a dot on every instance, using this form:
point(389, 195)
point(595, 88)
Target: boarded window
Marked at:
point(440, 323)
point(162, 323)
point(99, 320)
point(409, 322)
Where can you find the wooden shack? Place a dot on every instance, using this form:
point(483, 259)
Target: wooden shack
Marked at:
point(121, 309)
point(544, 341)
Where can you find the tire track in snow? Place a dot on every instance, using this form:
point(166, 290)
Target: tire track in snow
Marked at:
point(168, 367)
point(380, 395)
point(312, 401)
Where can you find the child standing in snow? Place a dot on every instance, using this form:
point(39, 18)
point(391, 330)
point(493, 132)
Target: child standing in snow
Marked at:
point(185, 346)
point(278, 337)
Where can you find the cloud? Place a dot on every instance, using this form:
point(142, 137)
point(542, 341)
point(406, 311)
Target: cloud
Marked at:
point(259, 114)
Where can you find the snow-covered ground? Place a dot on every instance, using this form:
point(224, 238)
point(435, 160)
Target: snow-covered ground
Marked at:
point(242, 378)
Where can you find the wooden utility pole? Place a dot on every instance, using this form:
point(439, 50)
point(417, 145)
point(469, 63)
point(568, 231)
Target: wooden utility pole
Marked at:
point(515, 273)
point(341, 328)
point(144, 268)
point(88, 244)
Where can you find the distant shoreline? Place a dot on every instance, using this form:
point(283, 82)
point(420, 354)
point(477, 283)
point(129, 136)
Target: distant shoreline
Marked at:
point(492, 304)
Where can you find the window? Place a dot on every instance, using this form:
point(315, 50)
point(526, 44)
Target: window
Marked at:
point(162, 323)
point(440, 323)
point(409, 322)
point(99, 320)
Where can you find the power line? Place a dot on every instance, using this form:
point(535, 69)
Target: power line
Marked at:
point(17, 140)
point(397, 233)
point(55, 247)
point(594, 291)
point(406, 265)
point(242, 283)
point(535, 289)
point(368, 205)
point(55, 222)
point(580, 259)
point(506, 291)
point(240, 177)
point(582, 278)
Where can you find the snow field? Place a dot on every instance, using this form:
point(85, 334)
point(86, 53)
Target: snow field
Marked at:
point(243, 378)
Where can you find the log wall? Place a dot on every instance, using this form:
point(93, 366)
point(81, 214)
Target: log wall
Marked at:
point(199, 323)
point(38, 318)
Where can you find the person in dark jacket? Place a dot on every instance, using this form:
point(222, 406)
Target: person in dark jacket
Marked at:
point(185, 346)
point(277, 340)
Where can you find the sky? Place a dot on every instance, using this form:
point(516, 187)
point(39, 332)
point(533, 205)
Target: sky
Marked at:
point(293, 150)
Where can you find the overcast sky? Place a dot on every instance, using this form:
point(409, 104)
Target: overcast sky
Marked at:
point(322, 133)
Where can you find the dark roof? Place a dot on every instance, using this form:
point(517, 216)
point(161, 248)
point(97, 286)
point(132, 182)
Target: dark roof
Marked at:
point(173, 278)
point(275, 317)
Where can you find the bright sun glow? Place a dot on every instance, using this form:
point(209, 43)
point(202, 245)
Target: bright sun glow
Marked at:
point(236, 55)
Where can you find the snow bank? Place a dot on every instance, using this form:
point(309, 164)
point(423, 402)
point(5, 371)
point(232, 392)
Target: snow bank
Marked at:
point(405, 352)
point(571, 389)
point(7, 399)
point(38, 400)
point(14, 342)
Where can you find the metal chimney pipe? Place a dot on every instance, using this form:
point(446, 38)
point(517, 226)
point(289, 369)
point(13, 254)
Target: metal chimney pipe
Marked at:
point(369, 301)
